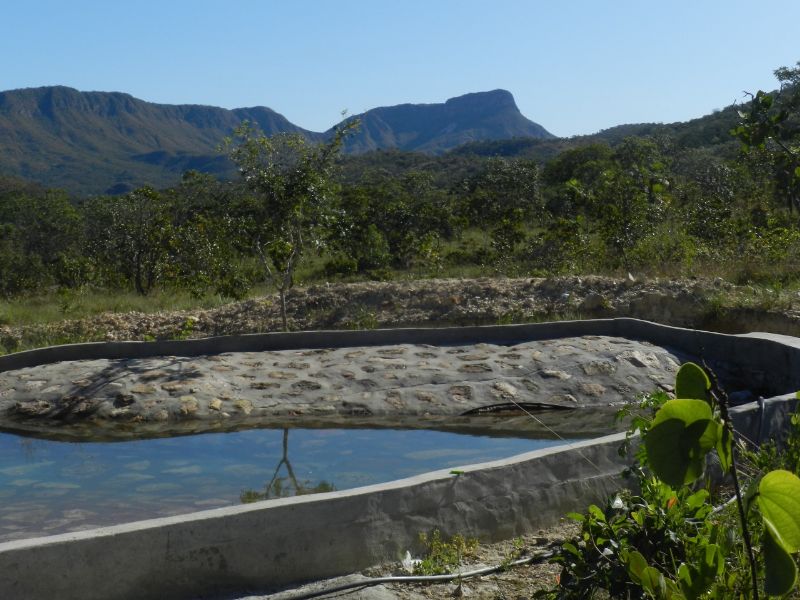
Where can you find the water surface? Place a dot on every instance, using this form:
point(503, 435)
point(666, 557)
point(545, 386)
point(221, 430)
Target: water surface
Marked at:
point(49, 487)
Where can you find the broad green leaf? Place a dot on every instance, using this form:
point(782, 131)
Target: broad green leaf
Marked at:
point(653, 582)
point(682, 434)
point(780, 571)
point(691, 382)
point(685, 576)
point(709, 567)
point(576, 517)
point(686, 410)
point(779, 502)
point(597, 513)
point(697, 579)
point(636, 564)
point(697, 499)
point(725, 448)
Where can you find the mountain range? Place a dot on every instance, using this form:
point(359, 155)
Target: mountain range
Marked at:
point(110, 142)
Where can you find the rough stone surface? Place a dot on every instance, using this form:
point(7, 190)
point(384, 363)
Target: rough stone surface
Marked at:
point(377, 382)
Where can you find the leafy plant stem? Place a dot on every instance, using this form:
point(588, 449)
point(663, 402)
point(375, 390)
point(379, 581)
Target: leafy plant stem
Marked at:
point(722, 401)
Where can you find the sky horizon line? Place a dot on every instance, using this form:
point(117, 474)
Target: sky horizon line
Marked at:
point(274, 109)
point(576, 67)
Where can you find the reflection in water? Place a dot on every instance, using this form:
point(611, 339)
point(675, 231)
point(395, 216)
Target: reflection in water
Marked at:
point(277, 486)
point(49, 487)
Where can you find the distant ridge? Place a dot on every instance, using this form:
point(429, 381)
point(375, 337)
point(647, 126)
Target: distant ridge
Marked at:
point(109, 142)
point(436, 128)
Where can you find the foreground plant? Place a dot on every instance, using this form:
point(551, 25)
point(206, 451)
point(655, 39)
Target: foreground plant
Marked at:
point(668, 542)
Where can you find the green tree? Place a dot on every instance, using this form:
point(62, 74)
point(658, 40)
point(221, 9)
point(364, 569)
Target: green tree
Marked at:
point(130, 236)
point(289, 205)
point(504, 199)
point(204, 246)
point(770, 125)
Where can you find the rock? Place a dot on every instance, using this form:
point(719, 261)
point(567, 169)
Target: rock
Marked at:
point(123, 400)
point(281, 375)
point(244, 405)
point(215, 404)
point(554, 374)
point(475, 368)
point(189, 405)
point(594, 390)
point(599, 367)
point(640, 359)
point(505, 390)
point(562, 399)
point(32, 408)
point(143, 388)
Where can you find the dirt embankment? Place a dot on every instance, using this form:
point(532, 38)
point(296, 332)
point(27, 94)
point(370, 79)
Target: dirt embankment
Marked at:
point(715, 305)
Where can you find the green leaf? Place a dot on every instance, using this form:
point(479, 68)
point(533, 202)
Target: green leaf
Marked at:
point(691, 382)
point(725, 448)
point(779, 502)
point(681, 435)
point(636, 564)
point(597, 513)
point(576, 517)
point(653, 582)
point(697, 499)
point(780, 571)
point(696, 579)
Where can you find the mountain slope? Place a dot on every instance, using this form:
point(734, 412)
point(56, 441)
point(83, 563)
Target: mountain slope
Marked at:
point(90, 141)
point(96, 142)
point(435, 128)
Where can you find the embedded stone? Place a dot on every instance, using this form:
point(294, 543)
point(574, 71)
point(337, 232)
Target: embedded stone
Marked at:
point(298, 365)
point(640, 359)
point(505, 390)
point(391, 351)
point(472, 357)
point(423, 396)
point(563, 399)
point(189, 405)
point(305, 386)
point(460, 393)
point(594, 390)
point(143, 388)
point(475, 368)
point(281, 375)
point(599, 367)
point(264, 385)
point(554, 374)
point(119, 401)
point(244, 405)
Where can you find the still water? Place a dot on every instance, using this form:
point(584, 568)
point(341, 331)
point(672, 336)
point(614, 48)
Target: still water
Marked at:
point(49, 487)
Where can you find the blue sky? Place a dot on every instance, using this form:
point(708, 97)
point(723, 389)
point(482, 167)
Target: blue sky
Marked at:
point(573, 66)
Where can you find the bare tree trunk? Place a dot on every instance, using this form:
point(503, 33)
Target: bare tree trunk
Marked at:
point(282, 293)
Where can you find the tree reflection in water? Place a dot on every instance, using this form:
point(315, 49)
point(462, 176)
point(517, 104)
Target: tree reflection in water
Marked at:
point(287, 485)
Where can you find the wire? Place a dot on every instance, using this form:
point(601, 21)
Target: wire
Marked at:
point(372, 581)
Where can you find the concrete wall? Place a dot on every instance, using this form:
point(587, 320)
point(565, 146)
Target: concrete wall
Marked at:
point(756, 355)
point(278, 542)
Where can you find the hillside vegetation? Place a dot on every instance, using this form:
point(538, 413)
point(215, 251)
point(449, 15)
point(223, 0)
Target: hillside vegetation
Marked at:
point(661, 204)
point(99, 142)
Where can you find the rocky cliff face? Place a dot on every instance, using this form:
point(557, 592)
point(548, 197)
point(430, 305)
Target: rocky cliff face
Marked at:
point(436, 128)
point(94, 142)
